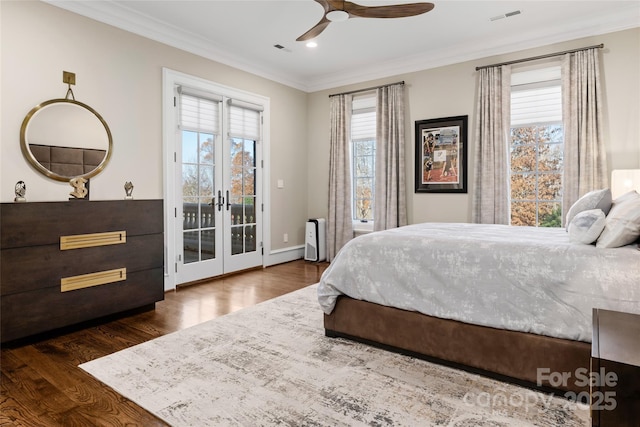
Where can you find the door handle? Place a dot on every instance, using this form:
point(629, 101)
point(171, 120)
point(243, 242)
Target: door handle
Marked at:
point(228, 203)
point(220, 201)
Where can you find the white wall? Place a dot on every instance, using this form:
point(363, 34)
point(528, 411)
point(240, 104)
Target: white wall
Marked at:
point(451, 91)
point(119, 74)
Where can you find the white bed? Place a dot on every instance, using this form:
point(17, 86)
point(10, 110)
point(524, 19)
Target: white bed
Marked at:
point(526, 279)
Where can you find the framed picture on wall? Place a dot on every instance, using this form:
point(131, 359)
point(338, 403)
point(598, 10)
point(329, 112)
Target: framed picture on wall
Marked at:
point(441, 155)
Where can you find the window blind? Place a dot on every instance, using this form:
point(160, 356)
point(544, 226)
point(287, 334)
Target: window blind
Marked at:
point(363, 117)
point(244, 122)
point(363, 126)
point(199, 113)
point(536, 97)
point(542, 105)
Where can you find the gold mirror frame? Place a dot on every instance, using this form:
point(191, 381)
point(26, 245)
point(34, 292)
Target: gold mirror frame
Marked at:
point(26, 151)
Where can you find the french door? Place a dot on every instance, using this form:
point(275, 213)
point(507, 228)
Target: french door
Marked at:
point(217, 184)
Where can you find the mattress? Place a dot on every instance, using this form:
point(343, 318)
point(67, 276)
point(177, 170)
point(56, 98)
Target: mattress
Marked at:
point(527, 279)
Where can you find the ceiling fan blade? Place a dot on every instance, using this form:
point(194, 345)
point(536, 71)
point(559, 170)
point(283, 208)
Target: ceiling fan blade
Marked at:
point(391, 11)
point(325, 5)
point(315, 31)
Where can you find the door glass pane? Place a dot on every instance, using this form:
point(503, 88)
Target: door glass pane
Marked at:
point(206, 181)
point(206, 148)
point(206, 214)
point(207, 211)
point(250, 238)
point(189, 147)
point(190, 214)
point(191, 246)
point(249, 210)
point(236, 151)
point(189, 180)
point(249, 181)
point(237, 239)
point(249, 153)
point(236, 180)
point(208, 244)
point(236, 210)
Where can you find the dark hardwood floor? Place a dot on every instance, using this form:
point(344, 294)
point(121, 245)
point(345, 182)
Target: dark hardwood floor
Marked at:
point(43, 386)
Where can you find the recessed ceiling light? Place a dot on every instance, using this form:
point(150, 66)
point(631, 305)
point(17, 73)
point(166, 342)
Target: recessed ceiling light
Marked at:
point(312, 44)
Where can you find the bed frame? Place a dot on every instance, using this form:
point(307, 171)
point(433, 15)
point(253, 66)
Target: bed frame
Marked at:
point(502, 354)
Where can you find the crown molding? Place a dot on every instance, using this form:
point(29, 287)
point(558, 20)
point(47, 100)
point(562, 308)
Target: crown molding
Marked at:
point(623, 19)
point(127, 19)
point(130, 20)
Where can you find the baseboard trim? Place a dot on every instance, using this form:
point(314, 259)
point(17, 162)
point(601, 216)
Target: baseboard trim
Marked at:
point(280, 256)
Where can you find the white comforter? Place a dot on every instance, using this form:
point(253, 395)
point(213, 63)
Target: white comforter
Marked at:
point(519, 278)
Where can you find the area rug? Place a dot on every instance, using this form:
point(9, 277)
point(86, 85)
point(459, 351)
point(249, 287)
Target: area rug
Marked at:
point(271, 364)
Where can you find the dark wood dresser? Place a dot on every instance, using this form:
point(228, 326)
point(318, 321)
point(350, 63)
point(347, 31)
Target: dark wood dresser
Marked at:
point(62, 263)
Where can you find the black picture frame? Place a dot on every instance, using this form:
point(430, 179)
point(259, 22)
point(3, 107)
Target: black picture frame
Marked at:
point(441, 155)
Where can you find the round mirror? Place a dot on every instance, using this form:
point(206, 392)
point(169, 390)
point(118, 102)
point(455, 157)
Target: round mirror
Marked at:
point(64, 139)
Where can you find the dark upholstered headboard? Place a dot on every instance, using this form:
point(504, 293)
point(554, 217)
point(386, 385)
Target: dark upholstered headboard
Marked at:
point(67, 161)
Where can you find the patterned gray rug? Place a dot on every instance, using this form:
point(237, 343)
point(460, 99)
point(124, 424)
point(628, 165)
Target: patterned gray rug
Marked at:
point(272, 365)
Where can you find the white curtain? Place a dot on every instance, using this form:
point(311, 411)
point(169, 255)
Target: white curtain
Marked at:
point(585, 161)
point(390, 208)
point(491, 183)
point(339, 223)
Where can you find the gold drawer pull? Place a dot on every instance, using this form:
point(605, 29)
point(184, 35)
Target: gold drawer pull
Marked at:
point(92, 279)
point(89, 240)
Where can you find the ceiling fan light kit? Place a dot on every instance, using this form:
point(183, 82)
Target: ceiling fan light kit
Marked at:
point(337, 16)
point(339, 10)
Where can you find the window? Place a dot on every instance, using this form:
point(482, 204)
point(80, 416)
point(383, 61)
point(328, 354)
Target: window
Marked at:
point(536, 148)
point(363, 154)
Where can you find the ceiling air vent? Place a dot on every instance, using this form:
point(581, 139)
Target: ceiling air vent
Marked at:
point(280, 47)
point(506, 15)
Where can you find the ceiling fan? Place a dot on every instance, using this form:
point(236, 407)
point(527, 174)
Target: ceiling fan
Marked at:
point(339, 10)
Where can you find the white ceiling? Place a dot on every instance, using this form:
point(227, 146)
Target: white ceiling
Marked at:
point(242, 33)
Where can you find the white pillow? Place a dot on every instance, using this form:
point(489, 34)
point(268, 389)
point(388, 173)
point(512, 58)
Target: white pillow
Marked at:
point(623, 222)
point(586, 226)
point(629, 195)
point(596, 199)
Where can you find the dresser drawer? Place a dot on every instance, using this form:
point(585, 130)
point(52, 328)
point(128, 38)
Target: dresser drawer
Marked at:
point(42, 223)
point(19, 275)
point(22, 317)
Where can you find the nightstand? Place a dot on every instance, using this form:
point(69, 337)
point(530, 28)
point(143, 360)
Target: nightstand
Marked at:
point(615, 364)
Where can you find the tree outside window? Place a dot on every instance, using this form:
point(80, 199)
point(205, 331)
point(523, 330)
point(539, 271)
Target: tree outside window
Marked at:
point(364, 152)
point(536, 175)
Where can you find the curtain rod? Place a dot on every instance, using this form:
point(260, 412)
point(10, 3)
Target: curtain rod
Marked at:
point(366, 89)
point(533, 58)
